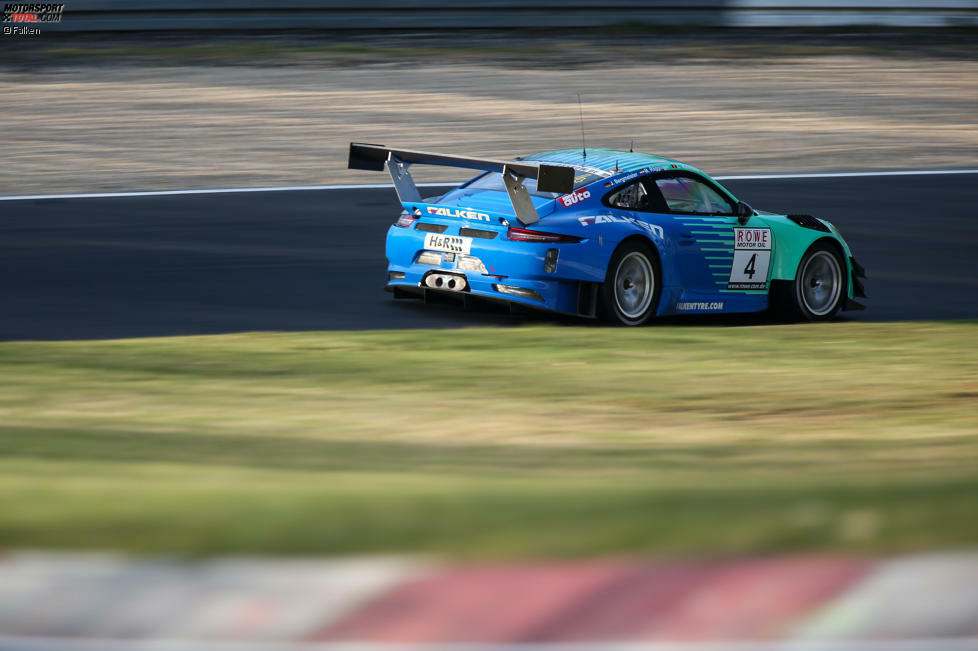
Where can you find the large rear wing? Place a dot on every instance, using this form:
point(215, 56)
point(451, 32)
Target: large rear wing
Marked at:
point(549, 178)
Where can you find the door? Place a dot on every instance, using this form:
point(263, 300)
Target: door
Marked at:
point(716, 254)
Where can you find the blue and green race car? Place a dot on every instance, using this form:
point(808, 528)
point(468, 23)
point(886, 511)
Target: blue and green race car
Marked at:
point(617, 235)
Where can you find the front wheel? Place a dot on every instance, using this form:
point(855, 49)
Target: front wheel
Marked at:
point(630, 292)
point(819, 286)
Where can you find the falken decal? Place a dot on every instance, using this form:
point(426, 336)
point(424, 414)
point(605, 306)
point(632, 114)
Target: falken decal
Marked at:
point(612, 219)
point(569, 200)
point(752, 257)
point(455, 212)
point(699, 306)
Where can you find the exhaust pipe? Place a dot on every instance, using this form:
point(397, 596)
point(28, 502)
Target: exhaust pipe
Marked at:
point(445, 281)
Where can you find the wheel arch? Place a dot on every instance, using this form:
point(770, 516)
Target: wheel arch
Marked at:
point(632, 237)
point(780, 286)
point(831, 241)
point(633, 242)
point(647, 241)
point(835, 245)
point(792, 243)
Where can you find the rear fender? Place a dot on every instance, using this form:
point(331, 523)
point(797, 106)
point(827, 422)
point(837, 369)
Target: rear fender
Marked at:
point(604, 233)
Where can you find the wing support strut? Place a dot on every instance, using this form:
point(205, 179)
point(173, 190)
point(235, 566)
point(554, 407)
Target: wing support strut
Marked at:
point(523, 206)
point(549, 177)
point(407, 189)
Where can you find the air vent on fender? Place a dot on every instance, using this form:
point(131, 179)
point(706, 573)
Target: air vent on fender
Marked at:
point(807, 221)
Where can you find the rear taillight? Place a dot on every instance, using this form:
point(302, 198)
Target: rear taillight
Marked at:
point(406, 220)
point(526, 235)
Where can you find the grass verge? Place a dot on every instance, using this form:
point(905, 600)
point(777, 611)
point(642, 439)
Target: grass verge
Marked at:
point(536, 441)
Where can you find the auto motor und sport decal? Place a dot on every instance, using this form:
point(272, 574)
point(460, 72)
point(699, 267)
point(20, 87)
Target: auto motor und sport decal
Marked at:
point(569, 200)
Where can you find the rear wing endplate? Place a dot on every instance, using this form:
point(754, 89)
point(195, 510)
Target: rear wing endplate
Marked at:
point(549, 178)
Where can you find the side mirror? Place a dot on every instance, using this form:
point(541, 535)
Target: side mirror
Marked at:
point(744, 212)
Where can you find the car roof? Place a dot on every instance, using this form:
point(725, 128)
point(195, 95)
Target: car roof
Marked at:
point(610, 161)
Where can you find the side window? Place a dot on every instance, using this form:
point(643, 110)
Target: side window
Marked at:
point(683, 194)
point(630, 197)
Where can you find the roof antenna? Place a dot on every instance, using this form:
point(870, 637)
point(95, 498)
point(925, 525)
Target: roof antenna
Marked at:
point(631, 146)
point(581, 109)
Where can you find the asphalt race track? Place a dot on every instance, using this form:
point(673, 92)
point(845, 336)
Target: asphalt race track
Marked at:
point(314, 259)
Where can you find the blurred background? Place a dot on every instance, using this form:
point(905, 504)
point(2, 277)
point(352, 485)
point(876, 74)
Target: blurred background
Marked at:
point(217, 431)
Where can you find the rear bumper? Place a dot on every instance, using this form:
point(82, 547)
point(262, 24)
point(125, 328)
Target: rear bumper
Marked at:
point(467, 300)
point(566, 297)
point(511, 268)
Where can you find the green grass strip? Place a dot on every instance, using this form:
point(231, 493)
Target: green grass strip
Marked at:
point(505, 443)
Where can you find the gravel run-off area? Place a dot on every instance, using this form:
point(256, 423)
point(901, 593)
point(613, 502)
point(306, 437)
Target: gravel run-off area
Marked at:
point(105, 127)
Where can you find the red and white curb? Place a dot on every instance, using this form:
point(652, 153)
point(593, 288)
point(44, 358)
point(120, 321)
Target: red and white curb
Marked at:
point(104, 596)
point(804, 602)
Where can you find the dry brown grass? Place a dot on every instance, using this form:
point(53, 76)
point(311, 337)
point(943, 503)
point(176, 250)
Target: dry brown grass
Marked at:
point(89, 128)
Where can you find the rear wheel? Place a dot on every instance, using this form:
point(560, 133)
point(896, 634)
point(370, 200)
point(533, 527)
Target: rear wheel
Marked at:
point(630, 292)
point(819, 287)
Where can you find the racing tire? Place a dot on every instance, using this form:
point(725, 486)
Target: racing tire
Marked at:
point(819, 288)
point(630, 292)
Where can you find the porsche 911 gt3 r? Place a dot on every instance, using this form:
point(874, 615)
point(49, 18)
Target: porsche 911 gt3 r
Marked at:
point(602, 233)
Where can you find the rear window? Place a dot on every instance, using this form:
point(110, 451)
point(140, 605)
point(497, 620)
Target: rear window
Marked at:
point(587, 176)
point(494, 181)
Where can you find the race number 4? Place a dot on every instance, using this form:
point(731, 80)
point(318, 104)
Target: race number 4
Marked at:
point(752, 257)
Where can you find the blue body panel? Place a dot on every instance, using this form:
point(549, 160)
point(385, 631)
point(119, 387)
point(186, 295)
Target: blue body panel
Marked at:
point(696, 252)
